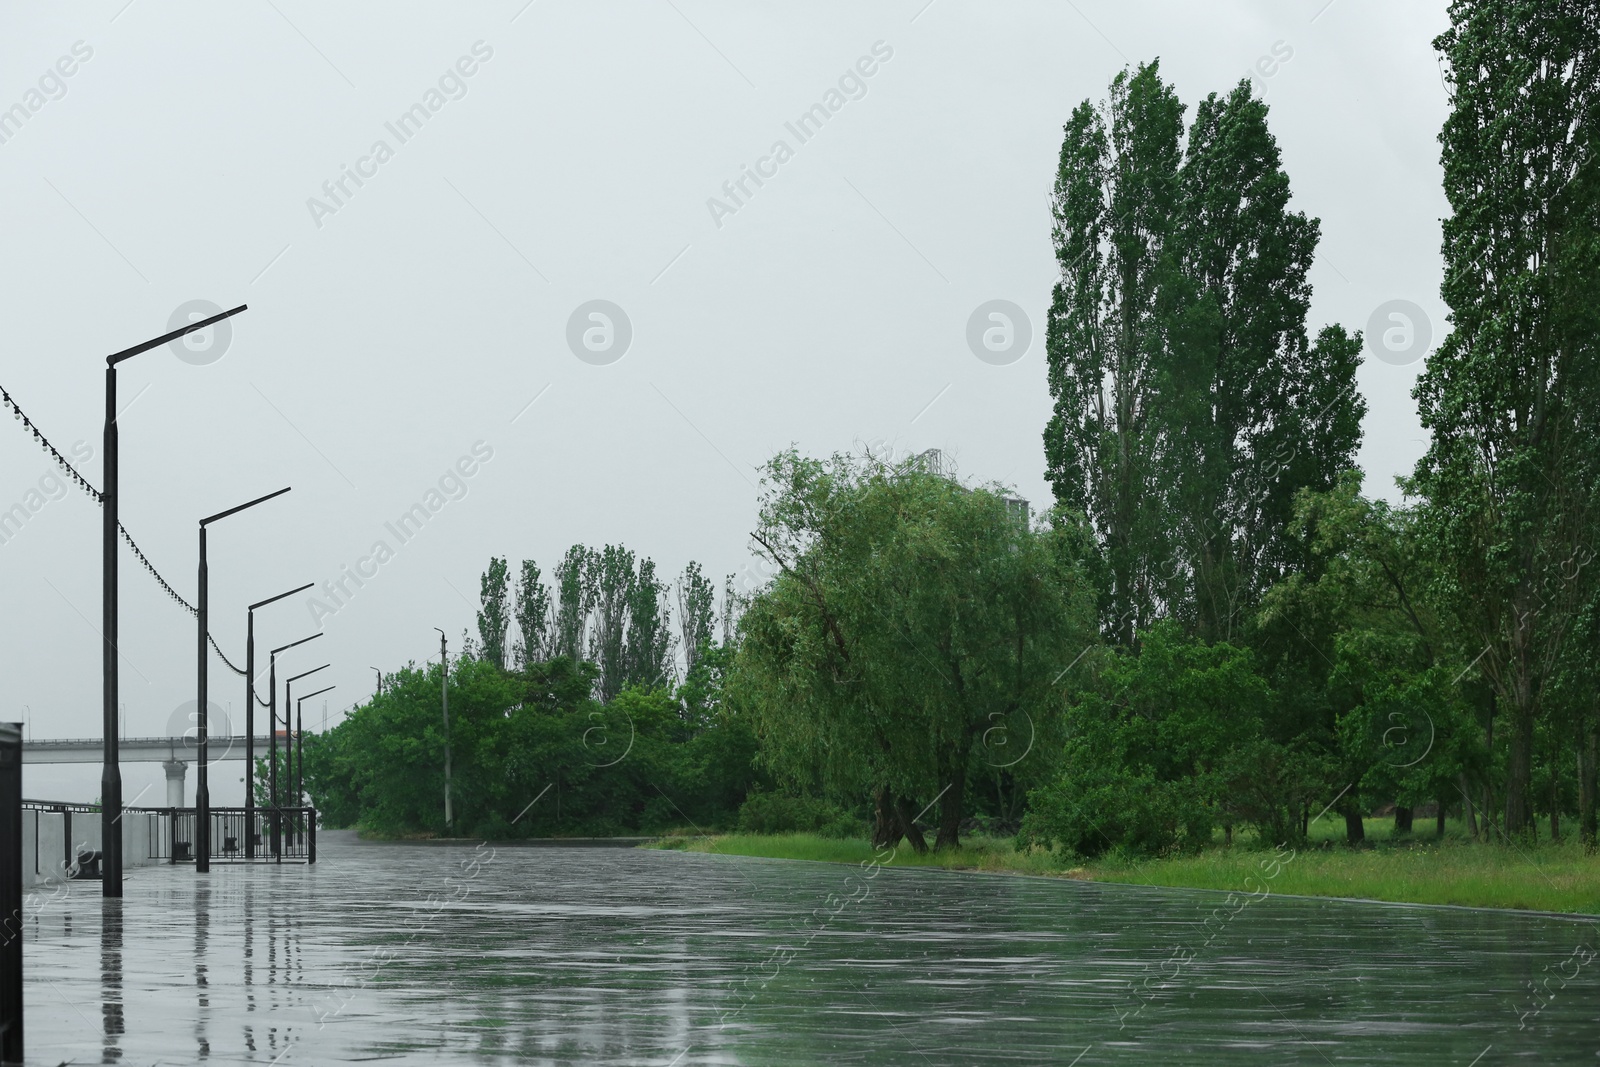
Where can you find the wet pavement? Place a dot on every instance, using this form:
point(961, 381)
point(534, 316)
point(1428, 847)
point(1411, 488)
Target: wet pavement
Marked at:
point(412, 954)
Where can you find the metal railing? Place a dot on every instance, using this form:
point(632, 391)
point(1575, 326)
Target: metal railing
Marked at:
point(288, 835)
point(294, 842)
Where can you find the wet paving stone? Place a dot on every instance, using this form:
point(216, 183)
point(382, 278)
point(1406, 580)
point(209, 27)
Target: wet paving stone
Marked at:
point(428, 954)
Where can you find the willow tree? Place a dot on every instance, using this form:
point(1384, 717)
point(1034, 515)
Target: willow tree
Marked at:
point(1510, 397)
point(908, 616)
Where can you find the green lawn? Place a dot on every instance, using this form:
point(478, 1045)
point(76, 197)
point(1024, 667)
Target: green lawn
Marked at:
point(1419, 869)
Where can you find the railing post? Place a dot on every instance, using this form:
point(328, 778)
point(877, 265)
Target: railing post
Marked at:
point(11, 892)
point(311, 836)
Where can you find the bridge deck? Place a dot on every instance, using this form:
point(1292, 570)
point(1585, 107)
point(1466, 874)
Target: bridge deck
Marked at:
point(140, 749)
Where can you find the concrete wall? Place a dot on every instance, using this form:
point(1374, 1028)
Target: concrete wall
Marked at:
point(44, 845)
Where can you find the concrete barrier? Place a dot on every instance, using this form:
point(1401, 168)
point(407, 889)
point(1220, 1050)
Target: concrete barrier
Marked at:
point(47, 853)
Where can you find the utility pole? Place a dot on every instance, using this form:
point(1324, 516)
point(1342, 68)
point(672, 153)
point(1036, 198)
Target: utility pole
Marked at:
point(444, 700)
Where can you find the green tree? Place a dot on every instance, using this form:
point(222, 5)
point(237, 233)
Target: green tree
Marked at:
point(1255, 412)
point(696, 614)
point(647, 652)
point(907, 612)
point(1116, 210)
point(1372, 660)
point(1155, 749)
point(1509, 396)
point(386, 759)
point(575, 599)
point(614, 584)
point(533, 617)
point(1189, 405)
point(492, 617)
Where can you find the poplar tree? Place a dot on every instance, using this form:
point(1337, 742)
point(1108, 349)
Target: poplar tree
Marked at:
point(492, 618)
point(533, 616)
point(1189, 405)
point(575, 597)
point(1510, 397)
point(696, 613)
point(1255, 412)
point(1115, 209)
point(648, 647)
point(614, 580)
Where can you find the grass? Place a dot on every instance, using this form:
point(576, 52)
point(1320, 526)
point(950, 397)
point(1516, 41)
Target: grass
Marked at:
point(1414, 869)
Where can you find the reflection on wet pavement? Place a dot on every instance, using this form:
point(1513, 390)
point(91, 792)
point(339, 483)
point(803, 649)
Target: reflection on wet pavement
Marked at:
point(419, 954)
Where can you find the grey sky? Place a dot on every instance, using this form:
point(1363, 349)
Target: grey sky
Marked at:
point(575, 163)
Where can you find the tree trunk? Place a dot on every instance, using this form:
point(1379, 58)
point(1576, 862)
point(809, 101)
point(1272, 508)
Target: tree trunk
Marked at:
point(1402, 819)
point(907, 825)
point(886, 831)
point(1467, 809)
point(1519, 774)
point(1489, 806)
point(1438, 822)
point(1355, 831)
point(1555, 785)
point(1588, 750)
point(952, 768)
point(950, 810)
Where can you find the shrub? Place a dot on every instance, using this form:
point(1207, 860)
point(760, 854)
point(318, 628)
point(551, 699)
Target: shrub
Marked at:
point(1150, 753)
point(778, 813)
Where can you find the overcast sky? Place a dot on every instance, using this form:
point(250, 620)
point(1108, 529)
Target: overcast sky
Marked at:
point(570, 153)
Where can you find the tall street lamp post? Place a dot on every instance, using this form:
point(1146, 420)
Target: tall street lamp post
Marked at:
point(272, 730)
point(300, 749)
point(288, 741)
point(111, 771)
point(250, 718)
point(202, 790)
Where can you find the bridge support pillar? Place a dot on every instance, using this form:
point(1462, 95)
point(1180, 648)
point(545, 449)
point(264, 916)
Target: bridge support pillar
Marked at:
point(176, 770)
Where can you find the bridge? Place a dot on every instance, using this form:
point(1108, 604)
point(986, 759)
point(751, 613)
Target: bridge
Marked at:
point(173, 753)
point(140, 749)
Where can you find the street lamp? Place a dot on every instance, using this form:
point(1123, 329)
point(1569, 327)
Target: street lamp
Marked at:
point(111, 771)
point(202, 789)
point(380, 678)
point(300, 748)
point(288, 739)
point(250, 718)
point(272, 715)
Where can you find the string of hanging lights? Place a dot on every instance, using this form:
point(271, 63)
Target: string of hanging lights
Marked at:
point(27, 424)
point(83, 483)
